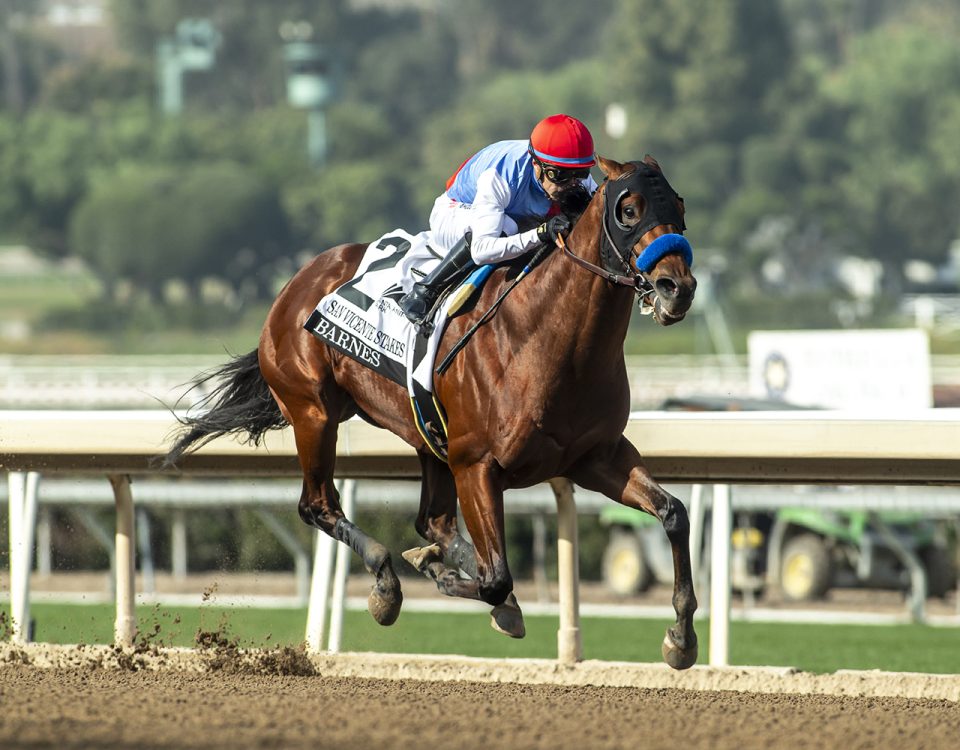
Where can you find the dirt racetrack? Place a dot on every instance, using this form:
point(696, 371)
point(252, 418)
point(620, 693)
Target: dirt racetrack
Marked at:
point(101, 698)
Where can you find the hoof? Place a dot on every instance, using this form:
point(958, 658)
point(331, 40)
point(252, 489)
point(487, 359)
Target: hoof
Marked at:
point(385, 606)
point(421, 557)
point(677, 657)
point(507, 618)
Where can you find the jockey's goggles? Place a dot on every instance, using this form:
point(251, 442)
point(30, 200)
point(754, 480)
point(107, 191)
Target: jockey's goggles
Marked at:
point(561, 176)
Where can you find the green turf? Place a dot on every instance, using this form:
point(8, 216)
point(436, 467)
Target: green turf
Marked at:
point(29, 297)
point(815, 648)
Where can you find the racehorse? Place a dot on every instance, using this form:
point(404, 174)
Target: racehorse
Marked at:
point(539, 392)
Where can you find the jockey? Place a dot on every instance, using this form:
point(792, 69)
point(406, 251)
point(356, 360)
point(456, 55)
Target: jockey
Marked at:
point(476, 219)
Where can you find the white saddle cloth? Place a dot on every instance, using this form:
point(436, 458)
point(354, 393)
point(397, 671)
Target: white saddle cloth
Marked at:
point(362, 318)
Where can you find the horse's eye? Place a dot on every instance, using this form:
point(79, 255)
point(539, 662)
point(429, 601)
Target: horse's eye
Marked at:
point(629, 212)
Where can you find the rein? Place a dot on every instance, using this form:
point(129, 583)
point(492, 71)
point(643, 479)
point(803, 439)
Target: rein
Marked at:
point(633, 280)
point(636, 281)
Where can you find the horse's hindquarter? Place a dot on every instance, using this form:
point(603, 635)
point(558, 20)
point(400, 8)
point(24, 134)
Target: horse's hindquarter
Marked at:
point(317, 278)
point(291, 358)
point(301, 370)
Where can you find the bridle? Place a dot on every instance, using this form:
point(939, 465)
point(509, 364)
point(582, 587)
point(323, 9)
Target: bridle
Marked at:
point(636, 280)
point(661, 209)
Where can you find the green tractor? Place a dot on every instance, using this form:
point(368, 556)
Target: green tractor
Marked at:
point(811, 551)
point(638, 553)
point(635, 557)
point(804, 552)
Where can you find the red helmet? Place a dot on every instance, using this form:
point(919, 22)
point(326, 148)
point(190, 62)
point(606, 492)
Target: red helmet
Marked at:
point(563, 141)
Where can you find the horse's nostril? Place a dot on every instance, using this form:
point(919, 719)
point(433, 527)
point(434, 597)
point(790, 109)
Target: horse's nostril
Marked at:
point(666, 287)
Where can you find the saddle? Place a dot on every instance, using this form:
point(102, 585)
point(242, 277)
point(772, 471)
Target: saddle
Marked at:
point(362, 319)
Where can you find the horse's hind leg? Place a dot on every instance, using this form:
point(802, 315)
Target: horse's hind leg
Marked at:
point(618, 472)
point(315, 430)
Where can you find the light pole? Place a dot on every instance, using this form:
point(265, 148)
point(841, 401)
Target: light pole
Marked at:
point(308, 84)
point(192, 47)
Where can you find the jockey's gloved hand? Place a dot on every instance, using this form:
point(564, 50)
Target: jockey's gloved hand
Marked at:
point(548, 231)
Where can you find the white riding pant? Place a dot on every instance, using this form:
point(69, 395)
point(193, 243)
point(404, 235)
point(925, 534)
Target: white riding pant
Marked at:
point(450, 220)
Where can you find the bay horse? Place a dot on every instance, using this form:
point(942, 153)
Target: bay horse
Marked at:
point(539, 392)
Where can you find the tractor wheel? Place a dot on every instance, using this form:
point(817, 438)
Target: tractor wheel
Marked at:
point(940, 569)
point(805, 571)
point(625, 571)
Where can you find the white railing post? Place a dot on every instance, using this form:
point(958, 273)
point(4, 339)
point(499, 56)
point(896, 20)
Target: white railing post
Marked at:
point(338, 602)
point(696, 513)
point(319, 589)
point(44, 542)
point(720, 577)
point(22, 488)
point(569, 645)
point(19, 588)
point(178, 544)
point(125, 626)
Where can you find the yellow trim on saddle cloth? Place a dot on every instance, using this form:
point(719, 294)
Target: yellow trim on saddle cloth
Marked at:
point(440, 413)
point(426, 439)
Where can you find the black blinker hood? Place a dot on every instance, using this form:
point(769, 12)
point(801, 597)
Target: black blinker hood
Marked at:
point(661, 205)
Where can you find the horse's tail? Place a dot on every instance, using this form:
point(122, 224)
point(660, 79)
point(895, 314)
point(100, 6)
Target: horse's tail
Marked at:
point(241, 402)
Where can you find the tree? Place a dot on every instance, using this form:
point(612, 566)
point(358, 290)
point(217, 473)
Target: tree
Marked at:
point(699, 80)
point(496, 36)
point(83, 87)
point(249, 72)
point(52, 174)
point(150, 225)
point(406, 76)
point(698, 72)
point(13, 65)
point(898, 185)
point(356, 202)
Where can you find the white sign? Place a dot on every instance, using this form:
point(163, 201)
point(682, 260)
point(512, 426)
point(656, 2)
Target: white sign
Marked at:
point(886, 370)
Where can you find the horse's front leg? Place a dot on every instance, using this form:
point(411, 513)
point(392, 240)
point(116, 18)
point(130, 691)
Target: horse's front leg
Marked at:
point(618, 472)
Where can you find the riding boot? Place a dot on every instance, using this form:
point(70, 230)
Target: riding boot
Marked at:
point(457, 263)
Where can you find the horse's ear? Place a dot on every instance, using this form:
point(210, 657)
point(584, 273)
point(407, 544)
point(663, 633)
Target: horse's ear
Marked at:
point(612, 169)
point(650, 161)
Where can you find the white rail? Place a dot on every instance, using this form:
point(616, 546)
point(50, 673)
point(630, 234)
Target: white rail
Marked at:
point(718, 448)
point(141, 381)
